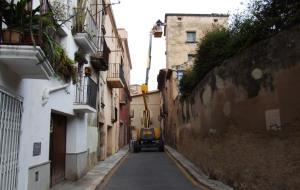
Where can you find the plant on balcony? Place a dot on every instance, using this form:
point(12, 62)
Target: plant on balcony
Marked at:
point(80, 16)
point(100, 60)
point(80, 57)
point(24, 26)
point(62, 64)
point(14, 17)
point(22, 22)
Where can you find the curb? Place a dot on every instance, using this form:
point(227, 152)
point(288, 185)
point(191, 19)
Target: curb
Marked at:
point(110, 167)
point(111, 171)
point(194, 172)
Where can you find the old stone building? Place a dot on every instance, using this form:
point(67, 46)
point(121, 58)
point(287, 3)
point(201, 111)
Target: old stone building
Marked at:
point(183, 32)
point(124, 93)
point(137, 106)
point(243, 114)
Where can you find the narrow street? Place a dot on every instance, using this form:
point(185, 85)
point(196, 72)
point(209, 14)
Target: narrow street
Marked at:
point(85, 83)
point(147, 170)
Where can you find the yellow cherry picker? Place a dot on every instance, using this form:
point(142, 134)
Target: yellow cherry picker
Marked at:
point(147, 136)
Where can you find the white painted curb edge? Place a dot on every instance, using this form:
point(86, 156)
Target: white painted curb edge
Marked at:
point(195, 172)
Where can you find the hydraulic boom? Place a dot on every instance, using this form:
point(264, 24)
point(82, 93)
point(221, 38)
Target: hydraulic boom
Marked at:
point(146, 136)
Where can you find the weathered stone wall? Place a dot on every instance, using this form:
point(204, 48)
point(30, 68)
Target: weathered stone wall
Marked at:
point(177, 46)
point(176, 38)
point(241, 125)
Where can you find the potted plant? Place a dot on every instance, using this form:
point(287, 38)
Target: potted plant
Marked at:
point(99, 60)
point(80, 16)
point(62, 64)
point(22, 22)
point(80, 57)
point(12, 17)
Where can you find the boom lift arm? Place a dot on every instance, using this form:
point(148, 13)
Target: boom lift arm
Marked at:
point(147, 136)
point(146, 111)
point(157, 32)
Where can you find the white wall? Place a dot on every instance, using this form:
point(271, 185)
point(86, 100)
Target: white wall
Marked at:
point(9, 79)
point(36, 116)
point(92, 133)
point(35, 128)
point(36, 123)
point(77, 134)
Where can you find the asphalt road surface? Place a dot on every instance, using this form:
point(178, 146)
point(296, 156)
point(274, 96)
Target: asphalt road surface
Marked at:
point(148, 170)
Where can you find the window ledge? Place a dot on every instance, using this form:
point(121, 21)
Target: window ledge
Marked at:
point(190, 42)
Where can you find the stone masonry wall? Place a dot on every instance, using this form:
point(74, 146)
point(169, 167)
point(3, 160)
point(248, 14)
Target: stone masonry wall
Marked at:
point(241, 125)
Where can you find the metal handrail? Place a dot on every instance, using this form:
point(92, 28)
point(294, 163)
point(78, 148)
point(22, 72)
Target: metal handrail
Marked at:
point(91, 27)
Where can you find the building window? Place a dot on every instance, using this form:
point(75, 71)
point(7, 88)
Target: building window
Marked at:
point(179, 74)
point(190, 37)
point(191, 57)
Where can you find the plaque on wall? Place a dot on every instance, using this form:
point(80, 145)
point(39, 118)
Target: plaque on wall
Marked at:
point(37, 148)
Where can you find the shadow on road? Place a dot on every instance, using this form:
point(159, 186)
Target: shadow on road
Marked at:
point(149, 150)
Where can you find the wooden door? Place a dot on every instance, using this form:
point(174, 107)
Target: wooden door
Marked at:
point(57, 148)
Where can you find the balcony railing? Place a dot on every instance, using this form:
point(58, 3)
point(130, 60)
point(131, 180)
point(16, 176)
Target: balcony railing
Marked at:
point(86, 96)
point(86, 30)
point(115, 76)
point(100, 59)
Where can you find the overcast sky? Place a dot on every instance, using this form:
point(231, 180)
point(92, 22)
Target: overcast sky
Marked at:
point(138, 17)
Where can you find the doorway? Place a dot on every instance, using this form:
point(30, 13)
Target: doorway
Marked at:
point(57, 148)
point(109, 140)
point(101, 140)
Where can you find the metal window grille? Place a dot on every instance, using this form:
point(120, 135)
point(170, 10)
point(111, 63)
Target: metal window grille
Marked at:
point(10, 124)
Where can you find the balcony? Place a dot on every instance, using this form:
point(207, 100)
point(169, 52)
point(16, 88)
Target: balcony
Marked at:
point(115, 76)
point(19, 54)
point(123, 97)
point(22, 46)
point(26, 61)
point(100, 59)
point(86, 96)
point(85, 31)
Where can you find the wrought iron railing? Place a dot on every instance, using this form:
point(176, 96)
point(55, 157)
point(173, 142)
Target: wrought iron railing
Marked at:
point(104, 49)
point(116, 71)
point(86, 93)
point(100, 59)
